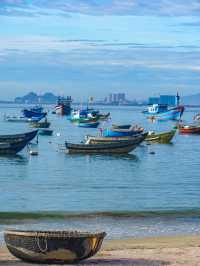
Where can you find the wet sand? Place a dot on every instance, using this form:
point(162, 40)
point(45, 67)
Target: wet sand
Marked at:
point(181, 250)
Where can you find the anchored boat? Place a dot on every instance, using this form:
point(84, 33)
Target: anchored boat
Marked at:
point(63, 106)
point(118, 147)
point(43, 124)
point(189, 129)
point(164, 112)
point(36, 112)
point(45, 132)
point(12, 144)
point(104, 140)
point(89, 124)
point(164, 137)
point(121, 132)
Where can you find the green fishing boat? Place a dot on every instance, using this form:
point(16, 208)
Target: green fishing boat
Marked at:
point(164, 137)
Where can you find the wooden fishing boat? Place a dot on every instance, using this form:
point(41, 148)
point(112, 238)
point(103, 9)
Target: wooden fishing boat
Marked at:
point(43, 124)
point(189, 129)
point(45, 132)
point(164, 137)
point(53, 247)
point(12, 144)
point(105, 140)
point(116, 147)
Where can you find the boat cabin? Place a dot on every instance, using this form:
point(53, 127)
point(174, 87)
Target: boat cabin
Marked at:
point(157, 108)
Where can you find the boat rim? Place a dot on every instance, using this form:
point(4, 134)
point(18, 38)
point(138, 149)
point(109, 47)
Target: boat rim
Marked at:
point(53, 233)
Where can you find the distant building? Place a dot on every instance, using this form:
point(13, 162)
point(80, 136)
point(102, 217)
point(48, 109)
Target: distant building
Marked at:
point(153, 100)
point(116, 98)
point(164, 99)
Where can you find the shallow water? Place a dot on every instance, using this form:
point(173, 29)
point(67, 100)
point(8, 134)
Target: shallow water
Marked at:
point(140, 181)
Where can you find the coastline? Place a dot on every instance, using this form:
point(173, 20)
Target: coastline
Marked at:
point(152, 251)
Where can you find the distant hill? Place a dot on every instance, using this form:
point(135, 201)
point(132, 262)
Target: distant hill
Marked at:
point(33, 98)
point(191, 99)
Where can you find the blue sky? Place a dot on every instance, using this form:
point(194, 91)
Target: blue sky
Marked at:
point(95, 47)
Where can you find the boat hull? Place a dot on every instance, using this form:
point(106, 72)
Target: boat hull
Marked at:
point(30, 114)
point(106, 140)
point(53, 247)
point(120, 133)
point(89, 125)
point(189, 130)
point(13, 144)
point(84, 120)
point(162, 138)
point(63, 110)
point(173, 114)
point(45, 132)
point(40, 124)
point(117, 147)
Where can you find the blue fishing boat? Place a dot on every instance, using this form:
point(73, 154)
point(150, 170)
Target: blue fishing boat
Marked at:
point(28, 113)
point(117, 132)
point(89, 124)
point(82, 115)
point(164, 112)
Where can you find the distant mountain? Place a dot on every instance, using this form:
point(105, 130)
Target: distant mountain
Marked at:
point(33, 98)
point(191, 99)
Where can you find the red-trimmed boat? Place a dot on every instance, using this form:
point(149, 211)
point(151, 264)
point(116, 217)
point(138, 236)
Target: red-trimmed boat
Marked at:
point(189, 129)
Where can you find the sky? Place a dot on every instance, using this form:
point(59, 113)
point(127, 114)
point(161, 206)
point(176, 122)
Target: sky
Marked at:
point(95, 47)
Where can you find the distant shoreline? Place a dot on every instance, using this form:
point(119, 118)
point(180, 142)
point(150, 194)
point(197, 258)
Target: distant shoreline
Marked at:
point(93, 104)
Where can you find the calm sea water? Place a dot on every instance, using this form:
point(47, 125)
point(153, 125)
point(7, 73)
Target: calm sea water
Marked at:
point(134, 184)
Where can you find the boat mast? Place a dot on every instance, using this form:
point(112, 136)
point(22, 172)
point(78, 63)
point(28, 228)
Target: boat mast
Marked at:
point(177, 99)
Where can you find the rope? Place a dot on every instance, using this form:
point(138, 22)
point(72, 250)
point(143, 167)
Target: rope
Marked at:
point(39, 246)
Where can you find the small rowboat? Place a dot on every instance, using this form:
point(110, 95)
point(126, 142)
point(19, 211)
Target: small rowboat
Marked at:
point(117, 132)
point(12, 144)
point(163, 138)
point(44, 124)
point(16, 119)
point(104, 117)
point(84, 120)
point(53, 247)
point(45, 132)
point(89, 124)
point(189, 129)
point(117, 147)
point(121, 126)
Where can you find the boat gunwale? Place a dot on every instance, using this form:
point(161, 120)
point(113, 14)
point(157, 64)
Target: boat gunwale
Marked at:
point(54, 234)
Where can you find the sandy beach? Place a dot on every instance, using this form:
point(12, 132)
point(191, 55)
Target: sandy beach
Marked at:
point(173, 251)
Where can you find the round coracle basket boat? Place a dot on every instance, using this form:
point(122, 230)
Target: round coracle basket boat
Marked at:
point(53, 247)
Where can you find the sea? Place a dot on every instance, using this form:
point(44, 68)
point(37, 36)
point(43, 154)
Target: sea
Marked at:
point(153, 191)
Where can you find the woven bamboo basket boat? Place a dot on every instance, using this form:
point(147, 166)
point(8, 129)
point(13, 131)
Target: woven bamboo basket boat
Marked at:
point(53, 247)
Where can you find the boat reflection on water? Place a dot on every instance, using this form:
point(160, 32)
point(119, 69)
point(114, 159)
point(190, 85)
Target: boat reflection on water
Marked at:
point(105, 157)
point(12, 159)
